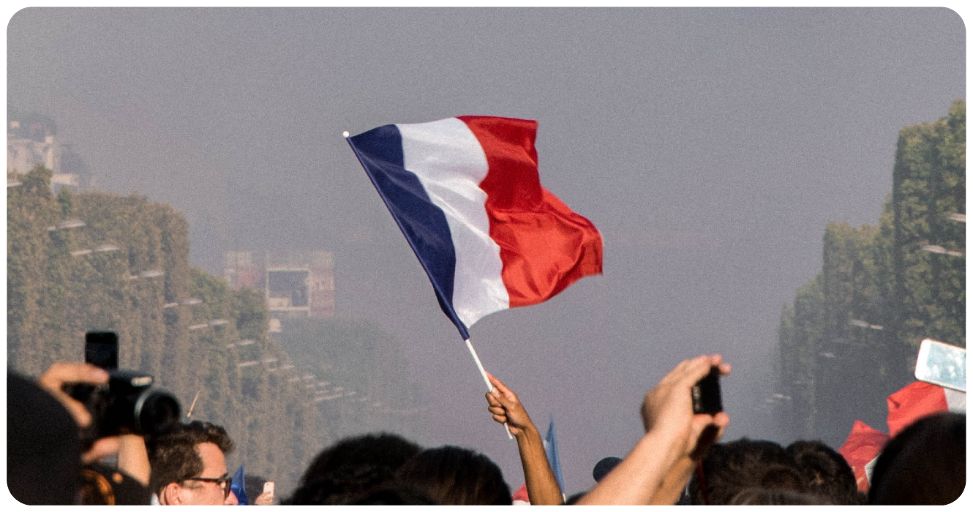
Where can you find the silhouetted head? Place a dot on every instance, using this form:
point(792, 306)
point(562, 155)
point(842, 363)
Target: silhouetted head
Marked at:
point(343, 472)
point(825, 472)
point(43, 446)
point(732, 467)
point(924, 465)
point(759, 496)
point(456, 476)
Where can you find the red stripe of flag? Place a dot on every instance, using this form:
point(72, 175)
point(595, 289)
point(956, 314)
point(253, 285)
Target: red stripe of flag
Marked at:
point(544, 245)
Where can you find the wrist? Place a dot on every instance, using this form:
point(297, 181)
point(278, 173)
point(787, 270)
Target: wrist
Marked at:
point(665, 447)
point(528, 432)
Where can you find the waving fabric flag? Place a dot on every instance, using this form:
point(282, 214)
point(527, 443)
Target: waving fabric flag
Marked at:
point(919, 399)
point(238, 486)
point(550, 449)
point(861, 449)
point(906, 406)
point(466, 193)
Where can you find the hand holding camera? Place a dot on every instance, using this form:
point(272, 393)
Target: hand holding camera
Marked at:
point(686, 402)
point(60, 375)
point(106, 401)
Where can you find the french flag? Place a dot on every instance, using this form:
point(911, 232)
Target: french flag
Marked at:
point(466, 193)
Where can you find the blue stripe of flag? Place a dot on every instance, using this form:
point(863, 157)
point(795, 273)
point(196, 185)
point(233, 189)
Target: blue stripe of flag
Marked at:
point(424, 225)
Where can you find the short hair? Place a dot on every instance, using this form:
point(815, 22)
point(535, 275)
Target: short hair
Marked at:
point(925, 464)
point(825, 472)
point(173, 455)
point(451, 475)
point(760, 496)
point(729, 468)
point(343, 472)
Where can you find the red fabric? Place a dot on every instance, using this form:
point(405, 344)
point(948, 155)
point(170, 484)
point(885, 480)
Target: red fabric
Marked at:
point(544, 245)
point(913, 402)
point(521, 494)
point(862, 446)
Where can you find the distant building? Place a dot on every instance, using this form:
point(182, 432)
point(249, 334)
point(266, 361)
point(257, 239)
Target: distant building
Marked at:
point(32, 141)
point(295, 283)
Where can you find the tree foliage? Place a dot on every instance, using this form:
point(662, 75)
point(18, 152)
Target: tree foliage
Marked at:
point(127, 270)
point(852, 335)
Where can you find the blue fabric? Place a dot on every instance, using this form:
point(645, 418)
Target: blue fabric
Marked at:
point(550, 447)
point(238, 487)
point(422, 222)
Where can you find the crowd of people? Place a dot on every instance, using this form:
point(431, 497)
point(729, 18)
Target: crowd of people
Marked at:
point(680, 459)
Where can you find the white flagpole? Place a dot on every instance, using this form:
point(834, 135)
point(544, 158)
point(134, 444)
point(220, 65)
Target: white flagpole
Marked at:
point(479, 366)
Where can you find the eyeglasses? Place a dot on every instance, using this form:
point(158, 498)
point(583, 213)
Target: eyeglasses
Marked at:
point(224, 482)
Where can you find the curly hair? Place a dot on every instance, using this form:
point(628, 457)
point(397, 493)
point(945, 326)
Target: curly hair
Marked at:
point(173, 456)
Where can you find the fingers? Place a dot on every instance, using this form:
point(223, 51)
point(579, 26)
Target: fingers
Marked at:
point(725, 368)
point(59, 374)
point(690, 371)
point(501, 387)
point(493, 400)
point(101, 448)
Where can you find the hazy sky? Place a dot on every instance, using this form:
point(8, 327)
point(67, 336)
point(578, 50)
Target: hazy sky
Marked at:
point(710, 147)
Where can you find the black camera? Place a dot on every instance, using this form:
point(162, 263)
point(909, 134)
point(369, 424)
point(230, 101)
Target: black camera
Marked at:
point(127, 405)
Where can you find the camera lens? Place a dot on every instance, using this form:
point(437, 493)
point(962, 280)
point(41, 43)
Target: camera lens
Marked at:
point(155, 412)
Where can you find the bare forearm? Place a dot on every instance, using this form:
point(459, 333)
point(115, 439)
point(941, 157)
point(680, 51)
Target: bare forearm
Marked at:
point(674, 482)
point(542, 487)
point(637, 479)
point(133, 458)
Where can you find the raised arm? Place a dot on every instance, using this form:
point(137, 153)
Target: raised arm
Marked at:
point(662, 459)
point(505, 407)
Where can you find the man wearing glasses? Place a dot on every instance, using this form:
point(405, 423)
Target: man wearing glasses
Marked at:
point(189, 466)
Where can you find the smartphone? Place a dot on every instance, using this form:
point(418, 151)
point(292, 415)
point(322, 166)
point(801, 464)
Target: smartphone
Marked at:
point(706, 394)
point(101, 349)
point(942, 364)
point(269, 488)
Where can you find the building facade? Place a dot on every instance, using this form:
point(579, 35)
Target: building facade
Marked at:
point(295, 284)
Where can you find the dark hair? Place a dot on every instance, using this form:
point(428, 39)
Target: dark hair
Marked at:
point(925, 464)
point(343, 472)
point(173, 455)
point(392, 494)
point(825, 472)
point(451, 475)
point(760, 496)
point(732, 467)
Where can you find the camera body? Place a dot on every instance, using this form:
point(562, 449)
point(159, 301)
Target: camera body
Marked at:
point(128, 404)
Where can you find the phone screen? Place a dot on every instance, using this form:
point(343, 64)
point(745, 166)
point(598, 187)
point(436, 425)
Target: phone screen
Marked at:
point(101, 349)
point(942, 364)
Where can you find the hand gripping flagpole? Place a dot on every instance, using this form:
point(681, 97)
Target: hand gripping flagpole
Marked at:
point(479, 366)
